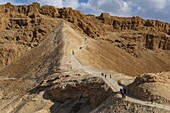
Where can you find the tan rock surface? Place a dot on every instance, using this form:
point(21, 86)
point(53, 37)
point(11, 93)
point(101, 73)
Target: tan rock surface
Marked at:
point(115, 104)
point(24, 27)
point(151, 86)
point(51, 59)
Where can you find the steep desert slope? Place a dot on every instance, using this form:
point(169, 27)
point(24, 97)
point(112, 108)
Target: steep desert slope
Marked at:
point(129, 45)
point(52, 54)
point(48, 79)
point(52, 60)
point(103, 55)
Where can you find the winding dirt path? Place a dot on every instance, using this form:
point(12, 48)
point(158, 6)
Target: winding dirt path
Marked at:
point(113, 81)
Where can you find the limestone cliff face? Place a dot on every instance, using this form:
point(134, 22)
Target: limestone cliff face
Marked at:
point(137, 34)
point(87, 22)
point(91, 25)
point(22, 28)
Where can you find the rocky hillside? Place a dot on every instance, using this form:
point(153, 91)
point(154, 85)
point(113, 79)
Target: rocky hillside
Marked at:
point(24, 27)
point(61, 60)
point(21, 30)
point(61, 92)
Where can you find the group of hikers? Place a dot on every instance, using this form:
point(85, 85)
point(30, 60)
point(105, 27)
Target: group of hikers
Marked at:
point(123, 91)
point(106, 75)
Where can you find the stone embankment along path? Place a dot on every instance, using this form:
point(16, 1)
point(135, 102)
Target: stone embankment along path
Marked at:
point(112, 83)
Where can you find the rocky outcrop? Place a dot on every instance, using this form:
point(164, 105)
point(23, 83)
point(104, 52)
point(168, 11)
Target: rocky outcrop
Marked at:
point(94, 90)
point(151, 87)
point(76, 95)
point(49, 11)
point(135, 42)
point(117, 105)
point(22, 28)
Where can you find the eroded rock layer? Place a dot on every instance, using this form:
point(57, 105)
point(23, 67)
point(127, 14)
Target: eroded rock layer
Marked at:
point(151, 87)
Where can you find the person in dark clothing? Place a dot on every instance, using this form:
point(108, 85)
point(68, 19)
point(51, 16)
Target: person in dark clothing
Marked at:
point(110, 76)
point(122, 93)
point(105, 76)
point(125, 91)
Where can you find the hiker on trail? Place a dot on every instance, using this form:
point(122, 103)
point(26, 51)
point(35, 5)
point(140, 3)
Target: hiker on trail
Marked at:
point(110, 76)
point(122, 93)
point(102, 74)
point(73, 52)
point(105, 76)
